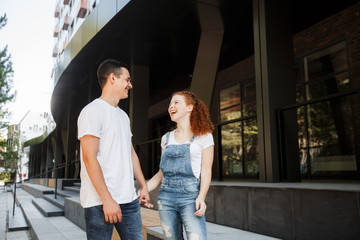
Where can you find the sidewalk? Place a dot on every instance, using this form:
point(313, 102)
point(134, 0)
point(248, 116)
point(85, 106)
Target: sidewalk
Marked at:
point(6, 202)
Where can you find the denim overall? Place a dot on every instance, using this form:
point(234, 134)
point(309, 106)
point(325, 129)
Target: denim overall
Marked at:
point(178, 192)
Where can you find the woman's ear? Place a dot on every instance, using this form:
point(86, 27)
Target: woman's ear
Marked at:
point(190, 107)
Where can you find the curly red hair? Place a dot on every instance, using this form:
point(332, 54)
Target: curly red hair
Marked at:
point(200, 121)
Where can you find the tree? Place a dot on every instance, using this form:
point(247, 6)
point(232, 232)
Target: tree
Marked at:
point(6, 96)
point(6, 75)
point(12, 153)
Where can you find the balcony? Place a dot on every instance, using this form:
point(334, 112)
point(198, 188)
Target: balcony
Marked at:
point(55, 52)
point(65, 43)
point(56, 31)
point(66, 23)
point(57, 11)
point(83, 9)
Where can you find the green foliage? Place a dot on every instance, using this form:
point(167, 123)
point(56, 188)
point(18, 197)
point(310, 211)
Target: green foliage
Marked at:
point(3, 21)
point(5, 176)
point(6, 76)
point(9, 149)
point(6, 81)
point(12, 153)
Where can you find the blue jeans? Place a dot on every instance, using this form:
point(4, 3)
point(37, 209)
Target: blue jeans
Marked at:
point(176, 203)
point(130, 228)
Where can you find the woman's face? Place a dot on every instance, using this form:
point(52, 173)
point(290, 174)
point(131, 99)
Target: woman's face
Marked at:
point(178, 108)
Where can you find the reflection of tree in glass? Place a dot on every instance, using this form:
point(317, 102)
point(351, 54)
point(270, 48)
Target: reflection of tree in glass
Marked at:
point(231, 148)
point(234, 153)
point(251, 147)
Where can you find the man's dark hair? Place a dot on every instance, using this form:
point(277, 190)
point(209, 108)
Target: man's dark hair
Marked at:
point(107, 67)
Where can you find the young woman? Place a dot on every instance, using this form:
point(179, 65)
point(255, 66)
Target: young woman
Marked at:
point(187, 157)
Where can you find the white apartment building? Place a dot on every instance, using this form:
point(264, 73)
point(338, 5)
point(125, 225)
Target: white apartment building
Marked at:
point(69, 15)
point(32, 125)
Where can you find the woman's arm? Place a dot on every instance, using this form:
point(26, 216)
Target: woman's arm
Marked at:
point(206, 168)
point(155, 181)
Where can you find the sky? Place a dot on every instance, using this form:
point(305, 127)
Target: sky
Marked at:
point(29, 37)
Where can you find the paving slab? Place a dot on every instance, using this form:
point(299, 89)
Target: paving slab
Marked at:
point(46, 208)
point(17, 220)
point(59, 201)
point(44, 228)
point(74, 189)
point(216, 232)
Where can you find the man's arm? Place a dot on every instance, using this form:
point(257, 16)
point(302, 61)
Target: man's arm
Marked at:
point(144, 197)
point(90, 148)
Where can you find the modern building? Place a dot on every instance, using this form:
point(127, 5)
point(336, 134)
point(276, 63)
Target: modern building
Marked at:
point(69, 15)
point(281, 79)
point(34, 126)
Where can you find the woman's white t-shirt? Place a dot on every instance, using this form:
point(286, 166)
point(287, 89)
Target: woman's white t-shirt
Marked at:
point(196, 147)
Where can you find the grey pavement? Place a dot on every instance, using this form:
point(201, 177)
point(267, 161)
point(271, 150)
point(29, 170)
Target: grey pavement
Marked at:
point(40, 227)
point(6, 202)
point(216, 232)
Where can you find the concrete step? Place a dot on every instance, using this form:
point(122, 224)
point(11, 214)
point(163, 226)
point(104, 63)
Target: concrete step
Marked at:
point(44, 228)
point(16, 219)
point(37, 190)
point(72, 189)
point(59, 201)
point(46, 208)
point(77, 184)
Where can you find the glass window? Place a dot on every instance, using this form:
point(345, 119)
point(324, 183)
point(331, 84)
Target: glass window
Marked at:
point(231, 148)
point(251, 151)
point(230, 103)
point(239, 147)
point(327, 61)
point(249, 99)
point(325, 128)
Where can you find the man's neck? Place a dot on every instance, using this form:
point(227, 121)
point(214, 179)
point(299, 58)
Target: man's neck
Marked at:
point(110, 100)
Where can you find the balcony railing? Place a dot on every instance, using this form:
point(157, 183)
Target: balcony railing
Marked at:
point(57, 11)
point(56, 31)
point(66, 23)
point(55, 52)
point(83, 9)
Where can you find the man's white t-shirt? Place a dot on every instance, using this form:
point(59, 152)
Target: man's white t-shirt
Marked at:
point(112, 126)
point(196, 147)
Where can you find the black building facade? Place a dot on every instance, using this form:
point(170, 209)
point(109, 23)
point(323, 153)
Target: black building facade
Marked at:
point(281, 79)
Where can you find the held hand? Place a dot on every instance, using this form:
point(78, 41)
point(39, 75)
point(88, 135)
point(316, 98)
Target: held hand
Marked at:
point(144, 198)
point(200, 207)
point(112, 211)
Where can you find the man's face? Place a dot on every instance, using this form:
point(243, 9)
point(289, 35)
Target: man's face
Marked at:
point(123, 84)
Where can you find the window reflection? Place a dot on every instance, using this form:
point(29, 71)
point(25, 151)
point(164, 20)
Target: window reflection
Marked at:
point(325, 128)
point(251, 151)
point(231, 147)
point(239, 146)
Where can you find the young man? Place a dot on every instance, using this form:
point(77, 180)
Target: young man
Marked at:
point(108, 160)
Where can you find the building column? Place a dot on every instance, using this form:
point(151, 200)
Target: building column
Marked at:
point(139, 113)
point(206, 65)
point(49, 155)
point(58, 153)
point(275, 88)
point(69, 138)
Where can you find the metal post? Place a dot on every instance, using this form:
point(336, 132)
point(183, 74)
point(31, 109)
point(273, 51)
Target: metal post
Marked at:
point(14, 199)
point(55, 185)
